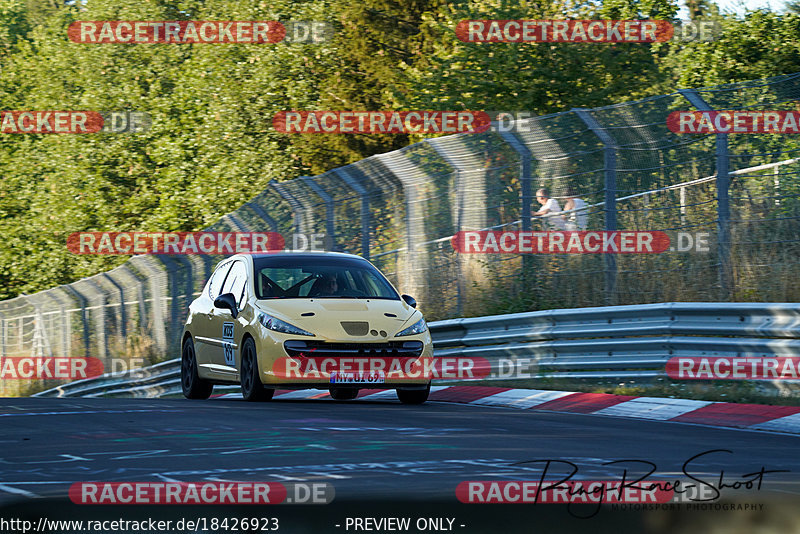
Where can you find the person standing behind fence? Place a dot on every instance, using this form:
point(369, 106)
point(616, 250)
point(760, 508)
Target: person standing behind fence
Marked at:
point(578, 217)
point(550, 210)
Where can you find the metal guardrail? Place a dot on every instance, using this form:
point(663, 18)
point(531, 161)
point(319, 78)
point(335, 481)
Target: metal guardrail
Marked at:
point(617, 341)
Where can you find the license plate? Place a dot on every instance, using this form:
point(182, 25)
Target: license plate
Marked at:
point(356, 377)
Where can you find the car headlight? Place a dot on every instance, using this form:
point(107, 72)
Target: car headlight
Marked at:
point(416, 328)
point(273, 323)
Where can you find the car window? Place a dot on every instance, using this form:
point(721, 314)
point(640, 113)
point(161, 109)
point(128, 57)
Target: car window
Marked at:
point(318, 277)
point(371, 281)
point(236, 282)
point(217, 277)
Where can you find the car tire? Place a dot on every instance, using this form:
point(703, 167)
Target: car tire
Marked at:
point(192, 385)
point(342, 394)
point(413, 396)
point(249, 376)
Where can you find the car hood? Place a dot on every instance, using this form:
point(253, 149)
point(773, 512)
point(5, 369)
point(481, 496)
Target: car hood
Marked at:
point(368, 320)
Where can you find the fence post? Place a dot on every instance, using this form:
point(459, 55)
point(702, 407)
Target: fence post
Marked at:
point(258, 210)
point(50, 294)
point(100, 326)
point(132, 278)
point(199, 267)
point(610, 205)
point(683, 205)
point(172, 273)
point(330, 228)
point(301, 225)
point(122, 317)
point(414, 182)
point(723, 201)
point(365, 215)
point(525, 157)
point(84, 319)
point(525, 198)
point(66, 324)
point(153, 274)
point(236, 222)
point(460, 187)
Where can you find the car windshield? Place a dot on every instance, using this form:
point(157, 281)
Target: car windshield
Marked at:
point(319, 277)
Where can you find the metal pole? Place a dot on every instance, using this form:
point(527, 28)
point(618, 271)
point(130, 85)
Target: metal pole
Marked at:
point(330, 228)
point(84, 319)
point(50, 294)
point(460, 185)
point(172, 271)
point(100, 325)
point(777, 183)
point(152, 273)
point(525, 198)
point(610, 207)
point(258, 210)
point(122, 316)
point(365, 216)
point(683, 205)
point(723, 201)
point(524, 176)
point(296, 207)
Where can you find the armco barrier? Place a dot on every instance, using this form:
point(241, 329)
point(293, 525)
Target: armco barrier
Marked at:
point(613, 342)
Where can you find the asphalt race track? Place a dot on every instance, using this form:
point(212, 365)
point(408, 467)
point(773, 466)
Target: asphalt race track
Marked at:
point(380, 457)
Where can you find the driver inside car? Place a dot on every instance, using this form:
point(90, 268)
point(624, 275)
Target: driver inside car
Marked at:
point(327, 286)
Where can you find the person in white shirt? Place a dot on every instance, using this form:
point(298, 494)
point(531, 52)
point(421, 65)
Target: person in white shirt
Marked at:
point(579, 218)
point(550, 210)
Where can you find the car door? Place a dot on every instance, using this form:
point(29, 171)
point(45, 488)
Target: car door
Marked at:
point(223, 357)
point(204, 328)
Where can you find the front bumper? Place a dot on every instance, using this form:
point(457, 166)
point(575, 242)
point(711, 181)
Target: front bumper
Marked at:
point(293, 362)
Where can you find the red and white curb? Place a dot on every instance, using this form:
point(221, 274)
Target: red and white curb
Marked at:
point(723, 414)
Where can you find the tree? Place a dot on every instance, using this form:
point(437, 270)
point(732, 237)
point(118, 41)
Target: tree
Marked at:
point(535, 77)
point(13, 24)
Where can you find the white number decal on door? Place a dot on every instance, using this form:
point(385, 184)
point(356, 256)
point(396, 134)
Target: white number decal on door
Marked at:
point(227, 343)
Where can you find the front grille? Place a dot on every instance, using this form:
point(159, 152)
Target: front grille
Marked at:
point(356, 328)
point(324, 349)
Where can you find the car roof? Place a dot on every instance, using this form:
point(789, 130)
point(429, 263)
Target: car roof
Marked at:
point(304, 255)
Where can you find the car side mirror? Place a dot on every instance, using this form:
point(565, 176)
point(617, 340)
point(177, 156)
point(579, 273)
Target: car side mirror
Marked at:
point(409, 300)
point(227, 302)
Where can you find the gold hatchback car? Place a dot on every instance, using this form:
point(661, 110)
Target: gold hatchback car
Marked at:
point(304, 320)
